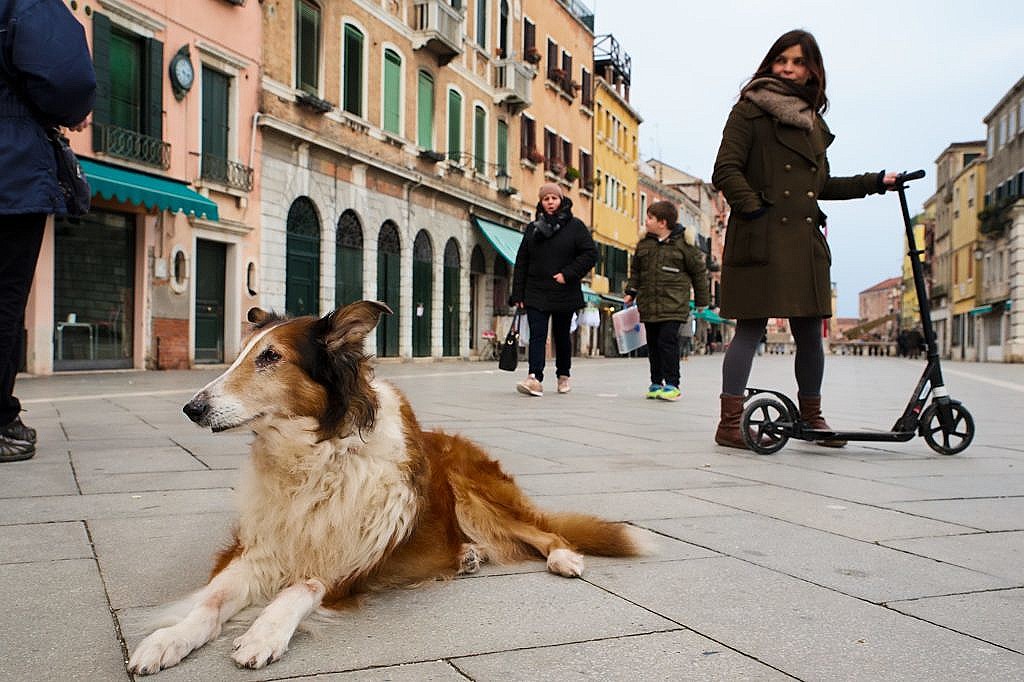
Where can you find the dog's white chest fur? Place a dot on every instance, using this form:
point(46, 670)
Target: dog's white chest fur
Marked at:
point(327, 510)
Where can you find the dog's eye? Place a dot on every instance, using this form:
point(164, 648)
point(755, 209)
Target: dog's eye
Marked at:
point(268, 357)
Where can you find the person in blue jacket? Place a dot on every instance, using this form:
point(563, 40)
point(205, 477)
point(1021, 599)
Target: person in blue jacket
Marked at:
point(46, 80)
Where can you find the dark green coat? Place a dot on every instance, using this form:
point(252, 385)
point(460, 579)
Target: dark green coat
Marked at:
point(662, 275)
point(776, 262)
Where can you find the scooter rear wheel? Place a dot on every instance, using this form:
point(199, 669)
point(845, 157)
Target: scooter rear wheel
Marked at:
point(762, 425)
point(953, 439)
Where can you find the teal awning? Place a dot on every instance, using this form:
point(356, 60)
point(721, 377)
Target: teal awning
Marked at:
point(505, 240)
point(981, 310)
point(589, 295)
point(710, 315)
point(120, 184)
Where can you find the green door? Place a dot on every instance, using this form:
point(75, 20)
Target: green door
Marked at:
point(450, 313)
point(422, 291)
point(302, 260)
point(389, 264)
point(348, 260)
point(209, 341)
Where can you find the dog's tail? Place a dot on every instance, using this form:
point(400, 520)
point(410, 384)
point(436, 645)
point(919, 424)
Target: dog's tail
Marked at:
point(597, 537)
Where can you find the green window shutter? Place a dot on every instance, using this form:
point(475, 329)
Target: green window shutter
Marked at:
point(480, 140)
point(502, 156)
point(307, 48)
point(481, 23)
point(101, 64)
point(216, 125)
point(126, 82)
point(425, 111)
point(352, 97)
point(454, 126)
point(153, 89)
point(392, 91)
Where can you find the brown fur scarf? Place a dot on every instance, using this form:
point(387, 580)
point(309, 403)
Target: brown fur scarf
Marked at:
point(780, 100)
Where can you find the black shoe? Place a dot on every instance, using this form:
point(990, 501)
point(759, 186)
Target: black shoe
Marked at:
point(12, 450)
point(16, 430)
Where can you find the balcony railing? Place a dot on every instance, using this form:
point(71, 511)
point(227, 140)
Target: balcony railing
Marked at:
point(230, 173)
point(133, 146)
point(438, 26)
point(513, 81)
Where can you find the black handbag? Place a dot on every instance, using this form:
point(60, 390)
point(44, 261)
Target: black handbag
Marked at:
point(70, 178)
point(508, 356)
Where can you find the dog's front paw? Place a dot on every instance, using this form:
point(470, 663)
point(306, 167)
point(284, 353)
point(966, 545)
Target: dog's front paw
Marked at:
point(162, 649)
point(259, 647)
point(471, 558)
point(565, 562)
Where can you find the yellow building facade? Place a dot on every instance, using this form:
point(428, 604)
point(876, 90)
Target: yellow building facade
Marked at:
point(616, 159)
point(968, 193)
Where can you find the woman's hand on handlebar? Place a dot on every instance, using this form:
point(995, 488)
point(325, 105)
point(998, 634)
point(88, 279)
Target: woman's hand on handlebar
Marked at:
point(889, 179)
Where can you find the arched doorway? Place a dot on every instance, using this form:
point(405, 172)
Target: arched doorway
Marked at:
point(348, 260)
point(477, 273)
point(302, 259)
point(389, 267)
point(501, 285)
point(422, 293)
point(450, 321)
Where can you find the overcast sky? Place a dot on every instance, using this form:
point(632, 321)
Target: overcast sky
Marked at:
point(904, 80)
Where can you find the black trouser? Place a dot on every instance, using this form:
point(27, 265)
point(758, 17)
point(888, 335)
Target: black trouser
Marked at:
point(809, 362)
point(560, 322)
point(20, 239)
point(663, 351)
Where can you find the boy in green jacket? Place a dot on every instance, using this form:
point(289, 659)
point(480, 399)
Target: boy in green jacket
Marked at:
point(665, 268)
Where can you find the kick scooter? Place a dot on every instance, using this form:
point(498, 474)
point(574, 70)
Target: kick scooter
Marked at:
point(770, 418)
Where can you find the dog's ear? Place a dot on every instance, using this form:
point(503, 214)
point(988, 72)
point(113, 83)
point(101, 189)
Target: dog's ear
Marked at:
point(352, 323)
point(259, 317)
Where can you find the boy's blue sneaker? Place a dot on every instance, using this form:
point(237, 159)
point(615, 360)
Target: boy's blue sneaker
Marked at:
point(669, 393)
point(654, 391)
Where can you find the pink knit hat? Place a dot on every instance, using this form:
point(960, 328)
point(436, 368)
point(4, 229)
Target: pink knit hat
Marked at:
point(549, 188)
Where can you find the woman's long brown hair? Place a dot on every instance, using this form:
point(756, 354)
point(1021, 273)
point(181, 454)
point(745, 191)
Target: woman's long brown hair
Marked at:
point(812, 59)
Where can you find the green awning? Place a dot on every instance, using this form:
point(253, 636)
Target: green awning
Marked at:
point(505, 240)
point(707, 314)
point(121, 184)
point(589, 295)
point(981, 310)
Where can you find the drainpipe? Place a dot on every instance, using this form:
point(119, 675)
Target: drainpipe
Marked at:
point(252, 140)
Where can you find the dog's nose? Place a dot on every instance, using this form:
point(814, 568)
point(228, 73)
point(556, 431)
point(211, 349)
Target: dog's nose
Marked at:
point(196, 408)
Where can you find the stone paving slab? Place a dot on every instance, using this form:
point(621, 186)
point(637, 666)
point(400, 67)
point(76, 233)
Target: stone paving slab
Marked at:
point(991, 514)
point(993, 616)
point(676, 655)
point(56, 624)
point(43, 542)
point(164, 480)
point(479, 615)
point(849, 519)
point(48, 473)
point(621, 481)
point(810, 632)
point(633, 505)
point(74, 507)
point(998, 554)
point(853, 567)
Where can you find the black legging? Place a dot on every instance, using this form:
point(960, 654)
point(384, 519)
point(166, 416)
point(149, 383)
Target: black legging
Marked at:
point(809, 363)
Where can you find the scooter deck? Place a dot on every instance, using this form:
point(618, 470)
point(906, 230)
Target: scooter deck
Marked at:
point(880, 436)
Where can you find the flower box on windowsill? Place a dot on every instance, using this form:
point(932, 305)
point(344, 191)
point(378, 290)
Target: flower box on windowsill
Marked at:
point(431, 155)
point(320, 106)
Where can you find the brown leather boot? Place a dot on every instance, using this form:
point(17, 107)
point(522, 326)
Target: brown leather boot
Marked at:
point(728, 433)
point(810, 412)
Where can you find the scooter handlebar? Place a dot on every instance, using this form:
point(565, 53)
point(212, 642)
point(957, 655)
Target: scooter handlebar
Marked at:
point(907, 176)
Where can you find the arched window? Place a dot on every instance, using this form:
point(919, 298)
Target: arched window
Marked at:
point(451, 317)
point(422, 293)
point(389, 250)
point(348, 261)
point(302, 259)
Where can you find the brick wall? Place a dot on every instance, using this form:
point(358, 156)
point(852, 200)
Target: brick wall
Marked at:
point(170, 343)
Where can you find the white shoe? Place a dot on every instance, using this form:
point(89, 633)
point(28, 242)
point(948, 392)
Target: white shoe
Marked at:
point(530, 386)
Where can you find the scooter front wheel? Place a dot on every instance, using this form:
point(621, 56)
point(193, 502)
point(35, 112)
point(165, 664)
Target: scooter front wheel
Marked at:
point(762, 425)
point(954, 436)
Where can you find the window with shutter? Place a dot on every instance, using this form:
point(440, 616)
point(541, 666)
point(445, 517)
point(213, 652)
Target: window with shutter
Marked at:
point(307, 47)
point(352, 95)
point(216, 125)
point(502, 155)
point(480, 140)
point(425, 111)
point(392, 92)
point(454, 126)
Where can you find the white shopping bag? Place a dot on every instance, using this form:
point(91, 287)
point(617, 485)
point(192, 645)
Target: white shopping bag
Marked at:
point(629, 332)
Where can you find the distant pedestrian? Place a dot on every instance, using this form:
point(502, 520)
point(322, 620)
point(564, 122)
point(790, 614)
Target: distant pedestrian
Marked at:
point(46, 80)
point(665, 269)
point(555, 254)
point(773, 169)
point(686, 339)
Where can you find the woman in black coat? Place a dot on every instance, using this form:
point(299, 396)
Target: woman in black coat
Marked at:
point(555, 254)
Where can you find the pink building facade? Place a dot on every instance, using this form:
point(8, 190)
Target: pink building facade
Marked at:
point(162, 270)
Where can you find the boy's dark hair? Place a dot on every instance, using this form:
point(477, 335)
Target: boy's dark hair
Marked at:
point(664, 210)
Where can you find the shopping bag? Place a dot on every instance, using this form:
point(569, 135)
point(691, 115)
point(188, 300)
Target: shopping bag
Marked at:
point(508, 355)
point(630, 334)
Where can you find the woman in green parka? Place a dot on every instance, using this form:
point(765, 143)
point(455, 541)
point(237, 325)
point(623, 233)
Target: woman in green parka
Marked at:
point(772, 169)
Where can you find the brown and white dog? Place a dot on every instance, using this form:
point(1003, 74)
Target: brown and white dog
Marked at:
point(345, 493)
